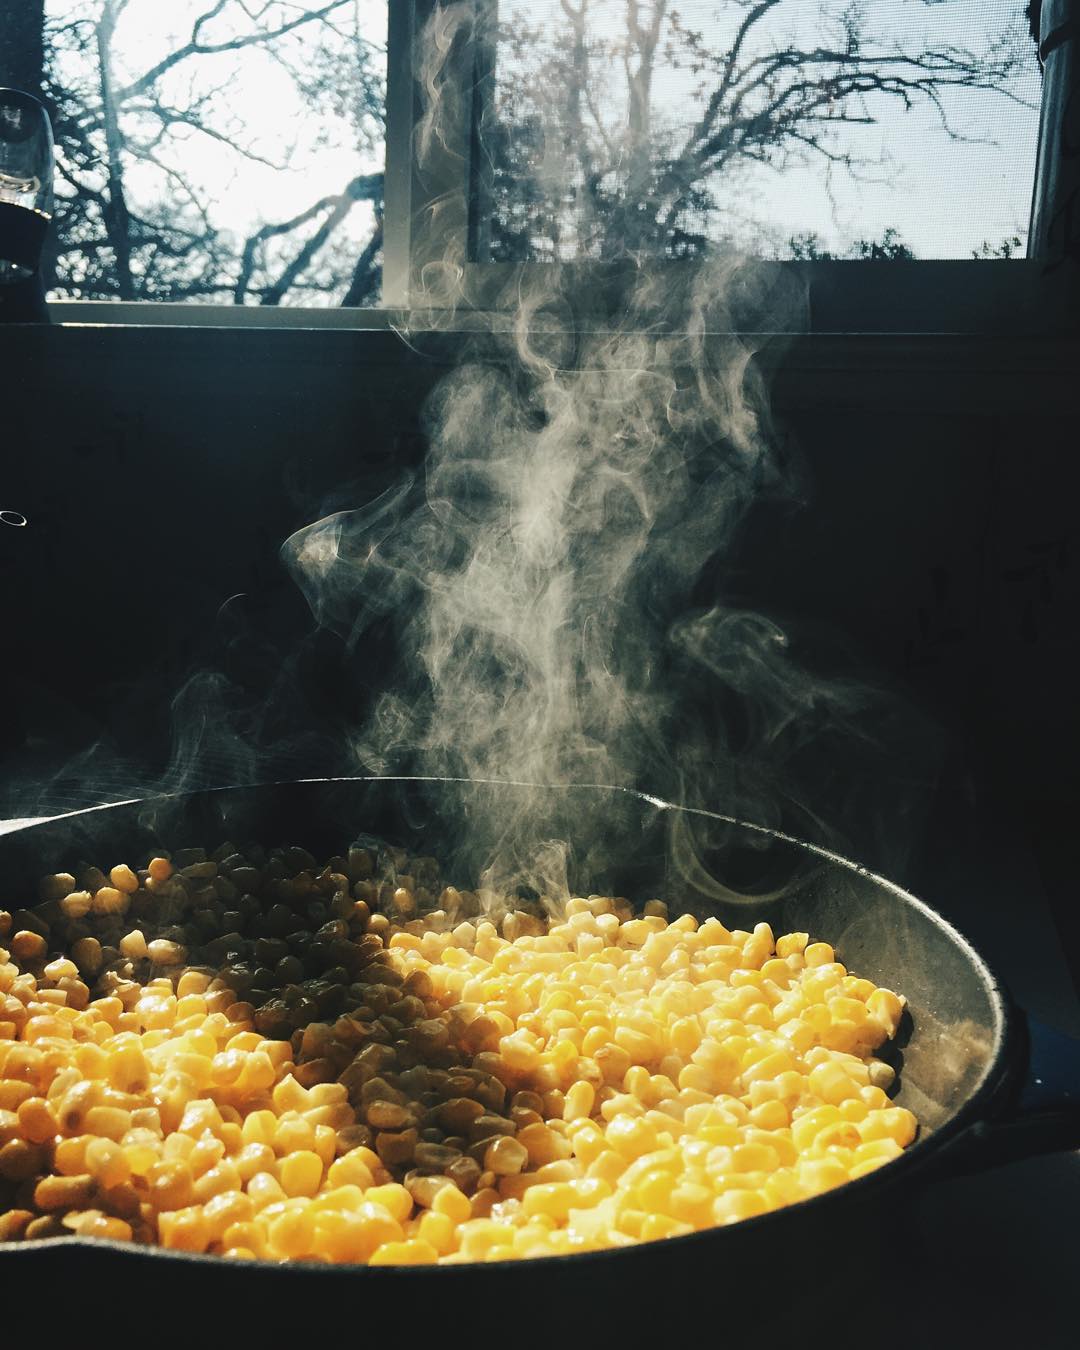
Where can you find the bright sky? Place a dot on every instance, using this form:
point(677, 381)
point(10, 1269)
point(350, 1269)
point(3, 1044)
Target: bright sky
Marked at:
point(943, 196)
point(251, 93)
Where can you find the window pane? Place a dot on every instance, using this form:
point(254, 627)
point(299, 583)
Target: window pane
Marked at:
point(218, 152)
point(801, 128)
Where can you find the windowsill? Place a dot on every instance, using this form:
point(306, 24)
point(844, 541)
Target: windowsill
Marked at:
point(127, 314)
point(981, 298)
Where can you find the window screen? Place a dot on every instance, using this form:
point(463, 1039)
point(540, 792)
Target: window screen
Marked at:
point(218, 150)
point(790, 128)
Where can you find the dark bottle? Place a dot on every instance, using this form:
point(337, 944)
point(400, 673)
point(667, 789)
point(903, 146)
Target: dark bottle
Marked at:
point(26, 198)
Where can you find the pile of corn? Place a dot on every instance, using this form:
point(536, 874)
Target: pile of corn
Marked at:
point(240, 1055)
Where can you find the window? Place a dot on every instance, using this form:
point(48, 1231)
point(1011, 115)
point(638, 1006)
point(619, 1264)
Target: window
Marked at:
point(784, 128)
point(226, 152)
point(229, 154)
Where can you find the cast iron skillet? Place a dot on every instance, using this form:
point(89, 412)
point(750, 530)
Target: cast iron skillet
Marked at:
point(962, 1055)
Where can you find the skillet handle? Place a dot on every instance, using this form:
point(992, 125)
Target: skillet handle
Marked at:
point(1042, 1117)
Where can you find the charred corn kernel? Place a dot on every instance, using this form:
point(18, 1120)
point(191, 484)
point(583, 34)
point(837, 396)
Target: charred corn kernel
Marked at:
point(65, 1193)
point(28, 946)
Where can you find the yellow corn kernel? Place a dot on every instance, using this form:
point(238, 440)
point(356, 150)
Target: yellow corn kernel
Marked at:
point(292, 1233)
point(656, 1226)
point(451, 1202)
point(736, 1205)
point(395, 1199)
point(107, 1163)
point(108, 1122)
point(895, 1122)
point(216, 1181)
point(413, 1252)
point(829, 1082)
point(479, 1236)
point(264, 1190)
point(36, 1120)
point(293, 1134)
point(288, 1095)
point(631, 1137)
point(580, 1099)
point(770, 1115)
point(885, 1008)
point(808, 1125)
point(184, 1230)
point(438, 1231)
point(821, 1174)
point(124, 879)
point(301, 1173)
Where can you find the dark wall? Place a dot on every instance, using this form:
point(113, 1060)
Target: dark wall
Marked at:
point(160, 470)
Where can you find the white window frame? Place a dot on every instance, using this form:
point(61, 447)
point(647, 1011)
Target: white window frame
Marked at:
point(921, 296)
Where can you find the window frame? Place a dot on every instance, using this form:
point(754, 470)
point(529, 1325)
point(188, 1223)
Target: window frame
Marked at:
point(952, 296)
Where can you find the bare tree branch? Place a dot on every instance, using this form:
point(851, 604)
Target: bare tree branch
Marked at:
point(366, 188)
point(196, 48)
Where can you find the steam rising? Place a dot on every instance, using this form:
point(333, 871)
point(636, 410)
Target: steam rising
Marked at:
point(557, 589)
point(590, 459)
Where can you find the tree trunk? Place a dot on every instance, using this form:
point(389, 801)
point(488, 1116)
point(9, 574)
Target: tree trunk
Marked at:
point(117, 220)
point(22, 52)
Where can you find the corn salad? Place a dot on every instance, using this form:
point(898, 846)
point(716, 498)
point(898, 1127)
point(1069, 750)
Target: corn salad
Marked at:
point(245, 1055)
